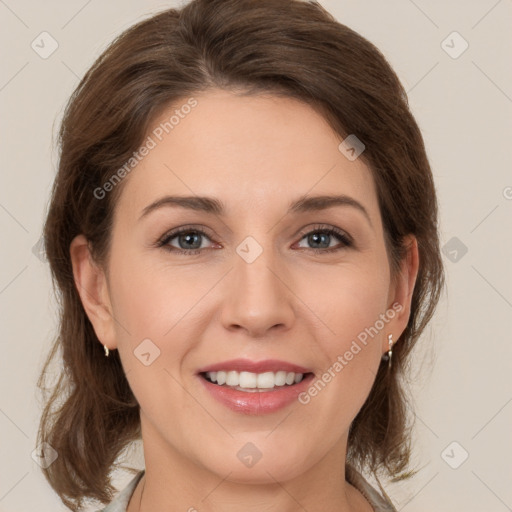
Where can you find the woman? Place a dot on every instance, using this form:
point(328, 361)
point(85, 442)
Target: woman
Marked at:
point(243, 230)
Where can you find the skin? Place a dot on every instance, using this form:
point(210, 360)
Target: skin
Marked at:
point(256, 154)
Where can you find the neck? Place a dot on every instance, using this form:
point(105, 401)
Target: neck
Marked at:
point(172, 481)
point(228, 497)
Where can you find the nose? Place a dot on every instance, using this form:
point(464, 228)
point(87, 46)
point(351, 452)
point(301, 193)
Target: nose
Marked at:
point(258, 298)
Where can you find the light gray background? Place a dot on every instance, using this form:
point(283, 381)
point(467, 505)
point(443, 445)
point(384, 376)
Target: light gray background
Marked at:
point(463, 106)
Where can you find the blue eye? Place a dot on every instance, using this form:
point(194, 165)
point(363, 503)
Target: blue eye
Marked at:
point(320, 236)
point(189, 240)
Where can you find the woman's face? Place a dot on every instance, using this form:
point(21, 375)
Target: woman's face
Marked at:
point(264, 285)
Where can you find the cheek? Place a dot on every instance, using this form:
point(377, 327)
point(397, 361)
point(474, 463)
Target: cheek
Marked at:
point(152, 301)
point(152, 310)
point(349, 299)
point(355, 312)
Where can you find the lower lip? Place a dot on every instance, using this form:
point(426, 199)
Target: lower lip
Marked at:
point(258, 402)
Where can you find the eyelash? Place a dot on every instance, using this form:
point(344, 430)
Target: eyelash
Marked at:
point(342, 236)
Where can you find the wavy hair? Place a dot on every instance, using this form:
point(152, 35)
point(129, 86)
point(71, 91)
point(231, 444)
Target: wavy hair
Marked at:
point(290, 48)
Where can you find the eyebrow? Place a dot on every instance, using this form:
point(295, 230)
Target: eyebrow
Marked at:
point(214, 206)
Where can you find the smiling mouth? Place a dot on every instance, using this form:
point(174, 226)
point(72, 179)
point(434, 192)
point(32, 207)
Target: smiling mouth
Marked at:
point(254, 382)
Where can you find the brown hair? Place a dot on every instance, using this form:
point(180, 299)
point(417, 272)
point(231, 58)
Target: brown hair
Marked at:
point(284, 47)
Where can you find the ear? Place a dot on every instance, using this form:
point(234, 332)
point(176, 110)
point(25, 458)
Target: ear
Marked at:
point(91, 284)
point(401, 291)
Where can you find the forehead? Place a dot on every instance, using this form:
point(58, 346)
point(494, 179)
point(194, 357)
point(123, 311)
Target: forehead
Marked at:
point(245, 150)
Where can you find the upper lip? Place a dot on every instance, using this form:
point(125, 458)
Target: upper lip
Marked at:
point(246, 365)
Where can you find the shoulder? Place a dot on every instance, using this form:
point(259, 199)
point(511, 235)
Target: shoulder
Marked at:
point(120, 502)
point(377, 501)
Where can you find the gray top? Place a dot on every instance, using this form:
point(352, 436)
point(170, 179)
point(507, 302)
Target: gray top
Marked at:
point(376, 500)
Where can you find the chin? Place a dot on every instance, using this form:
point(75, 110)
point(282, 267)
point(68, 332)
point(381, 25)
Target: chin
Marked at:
point(256, 462)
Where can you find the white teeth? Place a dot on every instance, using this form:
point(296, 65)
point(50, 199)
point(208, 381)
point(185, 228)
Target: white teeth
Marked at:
point(249, 380)
point(233, 379)
point(280, 378)
point(266, 380)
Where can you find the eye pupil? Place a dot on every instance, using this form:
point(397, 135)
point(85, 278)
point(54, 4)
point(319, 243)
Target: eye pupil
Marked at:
point(316, 236)
point(190, 238)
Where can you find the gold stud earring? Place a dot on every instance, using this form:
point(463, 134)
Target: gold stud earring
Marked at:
point(106, 350)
